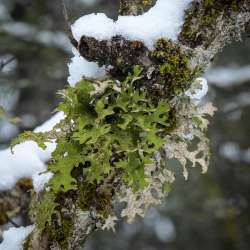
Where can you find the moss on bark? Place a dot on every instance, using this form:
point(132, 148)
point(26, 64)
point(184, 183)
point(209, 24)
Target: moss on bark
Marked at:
point(203, 17)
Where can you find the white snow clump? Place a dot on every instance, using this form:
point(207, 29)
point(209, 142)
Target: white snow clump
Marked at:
point(28, 159)
point(164, 20)
point(14, 237)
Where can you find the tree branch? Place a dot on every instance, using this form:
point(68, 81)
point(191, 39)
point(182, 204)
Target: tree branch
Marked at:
point(67, 21)
point(210, 25)
point(15, 202)
point(168, 70)
point(134, 7)
point(118, 52)
point(5, 63)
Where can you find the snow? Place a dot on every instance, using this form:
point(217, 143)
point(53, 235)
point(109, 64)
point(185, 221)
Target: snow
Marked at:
point(40, 179)
point(79, 67)
point(14, 237)
point(49, 124)
point(4, 13)
point(28, 159)
point(95, 25)
point(165, 20)
point(198, 92)
point(8, 97)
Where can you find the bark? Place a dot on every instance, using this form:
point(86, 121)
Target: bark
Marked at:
point(134, 7)
point(117, 52)
point(208, 27)
point(15, 202)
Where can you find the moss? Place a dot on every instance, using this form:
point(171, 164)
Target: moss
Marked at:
point(62, 232)
point(175, 73)
point(89, 197)
point(202, 18)
point(146, 2)
point(27, 243)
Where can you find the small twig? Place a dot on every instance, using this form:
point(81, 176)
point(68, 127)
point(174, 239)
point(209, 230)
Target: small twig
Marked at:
point(69, 31)
point(5, 63)
point(13, 222)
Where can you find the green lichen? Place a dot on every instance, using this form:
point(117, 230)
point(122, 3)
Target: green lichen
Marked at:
point(49, 219)
point(44, 210)
point(119, 128)
point(110, 131)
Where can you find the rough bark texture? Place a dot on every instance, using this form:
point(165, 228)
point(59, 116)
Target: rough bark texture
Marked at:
point(117, 52)
point(209, 26)
point(134, 7)
point(15, 202)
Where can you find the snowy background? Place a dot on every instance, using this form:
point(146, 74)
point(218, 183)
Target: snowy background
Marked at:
point(208, 212)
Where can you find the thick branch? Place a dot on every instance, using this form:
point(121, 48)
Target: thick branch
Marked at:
point(168, 70)
point(134, 7)
point(208, 27)
point(15, 202)
point(118, 52)
point(69, 232)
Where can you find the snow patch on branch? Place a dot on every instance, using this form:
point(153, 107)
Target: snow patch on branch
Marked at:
point(28, 159)
point(80, 67)
point(165, 20)
point(198, 90)
point(40, 180)
point(14, 237)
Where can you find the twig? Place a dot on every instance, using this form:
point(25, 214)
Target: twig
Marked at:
point(5, 63)
point(12, 222)
point(69, 31)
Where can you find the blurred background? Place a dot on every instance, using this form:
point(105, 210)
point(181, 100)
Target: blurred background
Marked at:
point(208, 212)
